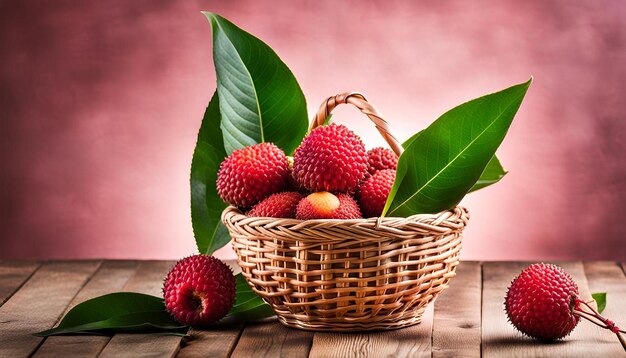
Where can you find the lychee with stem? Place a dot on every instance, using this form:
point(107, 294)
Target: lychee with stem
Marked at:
point(251, 174)
point(543, 302)
point(199, 290)
point(331, 158)
point(325, 205)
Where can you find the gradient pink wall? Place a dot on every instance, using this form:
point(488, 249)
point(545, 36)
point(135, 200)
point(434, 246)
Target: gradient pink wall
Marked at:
point(101, 102)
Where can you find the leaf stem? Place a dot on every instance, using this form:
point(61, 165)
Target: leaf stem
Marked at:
point(593, 316)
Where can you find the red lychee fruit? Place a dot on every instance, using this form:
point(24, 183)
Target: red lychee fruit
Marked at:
point(373, 192)
point(251, 174)
point(281, 205)
point(380, 159)
point(325, 205)
point(330, 158)
point(199, 290)
point(541, 301)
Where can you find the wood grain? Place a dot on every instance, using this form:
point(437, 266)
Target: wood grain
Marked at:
point(271, 339)
point(13, 274)
point(147, 279)
point(110, 277)
point(415, 341)
point(37, 295)
point(608, 277)
point(456, 327)
point(500, 339)
point(217, 342)
point(39, 303)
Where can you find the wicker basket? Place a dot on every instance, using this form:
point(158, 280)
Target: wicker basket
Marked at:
point(348, 275)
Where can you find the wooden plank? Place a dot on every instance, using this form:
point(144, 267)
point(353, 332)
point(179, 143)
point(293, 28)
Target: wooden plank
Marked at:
point(215, 343)
point(149, 280)
point(500, 339)
point(110, 277)
point(271, 339)
point(608, 277)
point(456, 327)
point(13, 274)
point(415, 341)
point(39, 303)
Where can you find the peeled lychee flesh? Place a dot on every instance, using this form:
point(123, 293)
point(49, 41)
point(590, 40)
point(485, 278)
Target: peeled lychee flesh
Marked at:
point(381, 159)
point(199, 290)
point(281, 205)
point(373, 192)
point(325, 205)
point(251, 174)
point(540, 302)
point(330, 158)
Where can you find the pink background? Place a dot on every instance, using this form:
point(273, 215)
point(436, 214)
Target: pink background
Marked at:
point(101, 102)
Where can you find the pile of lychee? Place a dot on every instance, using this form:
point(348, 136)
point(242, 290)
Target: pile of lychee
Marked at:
point(331, 176)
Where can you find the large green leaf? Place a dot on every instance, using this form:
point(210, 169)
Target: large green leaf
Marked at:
point(136, 312)
point(435, 172)
point(492, 174)
point(260, 99)
point(206, 205)
point(118, 312)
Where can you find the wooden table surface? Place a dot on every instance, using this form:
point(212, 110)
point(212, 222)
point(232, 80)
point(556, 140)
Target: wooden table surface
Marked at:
point(466, 320)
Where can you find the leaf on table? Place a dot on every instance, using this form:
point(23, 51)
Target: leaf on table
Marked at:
point(206, 205)
point(435, 172)
point(492, 174)
point(600, 298)
point(248, 306)
point(260, 99)
point(118, 312)
point(137, 312)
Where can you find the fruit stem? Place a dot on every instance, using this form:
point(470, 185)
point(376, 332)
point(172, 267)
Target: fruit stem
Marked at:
point(594, 316)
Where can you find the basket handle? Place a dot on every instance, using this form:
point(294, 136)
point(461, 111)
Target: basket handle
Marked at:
point(356, 99)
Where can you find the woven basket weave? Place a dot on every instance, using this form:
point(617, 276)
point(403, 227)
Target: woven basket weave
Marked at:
point(348, 275)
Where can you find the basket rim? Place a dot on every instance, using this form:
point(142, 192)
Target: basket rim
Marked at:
point(411, 218)
point(446, 221)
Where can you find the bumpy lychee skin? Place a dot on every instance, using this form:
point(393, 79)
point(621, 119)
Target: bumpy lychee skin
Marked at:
point(541, 300)
point(381, 159)
point(199, 290)
point(251, 174)
point(330, 158)
point(373, 192)
point(281, 205)
point(325, 205)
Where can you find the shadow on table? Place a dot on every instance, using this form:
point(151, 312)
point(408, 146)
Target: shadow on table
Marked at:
point(519, 342)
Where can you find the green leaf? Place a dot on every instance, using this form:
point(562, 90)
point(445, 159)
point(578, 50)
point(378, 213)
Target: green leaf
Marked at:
point(600, 298)
point(328, 118)
point(435, 172)
point(118, 312)
point(248, 306)
point(492, 174)
point(206, 205)
point(136, 312)
point(260, 99)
